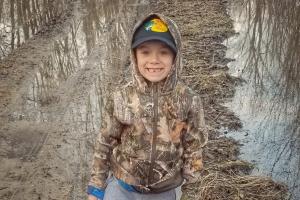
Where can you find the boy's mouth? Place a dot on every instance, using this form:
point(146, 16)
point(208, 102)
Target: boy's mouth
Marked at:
point(153, 70)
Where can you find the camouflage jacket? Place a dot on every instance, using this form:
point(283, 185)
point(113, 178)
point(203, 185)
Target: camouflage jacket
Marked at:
point(152, 134)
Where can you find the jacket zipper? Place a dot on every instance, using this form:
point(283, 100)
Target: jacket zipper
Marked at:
point(154, 135)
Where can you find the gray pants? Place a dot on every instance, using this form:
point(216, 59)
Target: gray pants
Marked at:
point(114, 191)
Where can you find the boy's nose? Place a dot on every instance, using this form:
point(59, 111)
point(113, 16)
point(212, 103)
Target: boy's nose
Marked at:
point(154, 58)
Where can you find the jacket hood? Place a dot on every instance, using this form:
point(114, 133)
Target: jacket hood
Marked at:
point(169, 83)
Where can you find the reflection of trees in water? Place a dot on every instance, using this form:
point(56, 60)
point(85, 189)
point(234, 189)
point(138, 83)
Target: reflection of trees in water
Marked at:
point(273, 37)
point(63, 61)
point(272, 45)
point(91, 23)
point(20, 19)
point(1, 8)
point(108, 18)
point(106, 24)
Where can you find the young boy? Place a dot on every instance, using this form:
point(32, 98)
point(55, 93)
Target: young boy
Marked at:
point(153, 129)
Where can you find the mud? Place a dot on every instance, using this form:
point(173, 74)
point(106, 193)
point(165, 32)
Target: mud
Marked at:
point(52, 89)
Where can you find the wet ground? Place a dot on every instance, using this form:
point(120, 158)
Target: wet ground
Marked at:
point(270, 133)
point(51, 95)
point(53, 86)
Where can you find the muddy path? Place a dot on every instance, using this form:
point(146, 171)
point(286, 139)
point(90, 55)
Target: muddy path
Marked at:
point(51, 96)
point(52, 89)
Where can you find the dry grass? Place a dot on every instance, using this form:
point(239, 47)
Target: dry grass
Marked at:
point(220, 186)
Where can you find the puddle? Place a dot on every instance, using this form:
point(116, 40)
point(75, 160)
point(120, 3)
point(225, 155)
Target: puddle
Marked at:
point(21, 19)
point(270, 134)
point(93, 52)
point(69, 88)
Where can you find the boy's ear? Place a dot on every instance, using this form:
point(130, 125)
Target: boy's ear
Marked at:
point(134, 55)
point(174, 57)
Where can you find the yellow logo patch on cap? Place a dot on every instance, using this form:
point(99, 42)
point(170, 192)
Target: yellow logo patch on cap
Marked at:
point(156, 25)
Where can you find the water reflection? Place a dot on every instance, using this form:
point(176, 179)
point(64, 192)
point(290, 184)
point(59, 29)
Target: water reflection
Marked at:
point(20, 19)
point(105, 28)
point(268, 104)
point(71, 84)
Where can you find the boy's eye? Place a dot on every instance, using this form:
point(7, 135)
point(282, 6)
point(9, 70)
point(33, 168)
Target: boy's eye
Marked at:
point(144, 52)
point(165, 52)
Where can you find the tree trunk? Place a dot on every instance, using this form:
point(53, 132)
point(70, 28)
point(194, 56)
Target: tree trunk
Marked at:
point(12, 17)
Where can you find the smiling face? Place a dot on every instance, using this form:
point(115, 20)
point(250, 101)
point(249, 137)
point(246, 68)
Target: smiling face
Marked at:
point(154, 60)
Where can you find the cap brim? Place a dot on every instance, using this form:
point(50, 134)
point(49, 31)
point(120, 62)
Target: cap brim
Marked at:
point(145, 39)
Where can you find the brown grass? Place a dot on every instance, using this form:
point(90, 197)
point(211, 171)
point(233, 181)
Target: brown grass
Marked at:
point(216, 185)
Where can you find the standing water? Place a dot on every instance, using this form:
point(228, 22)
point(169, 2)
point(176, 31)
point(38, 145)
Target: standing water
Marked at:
point(21, 19)
point(267, 103)
point(46, 145)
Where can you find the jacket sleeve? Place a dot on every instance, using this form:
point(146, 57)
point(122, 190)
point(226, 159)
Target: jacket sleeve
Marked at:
point(193, 141)
point(107, 139)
